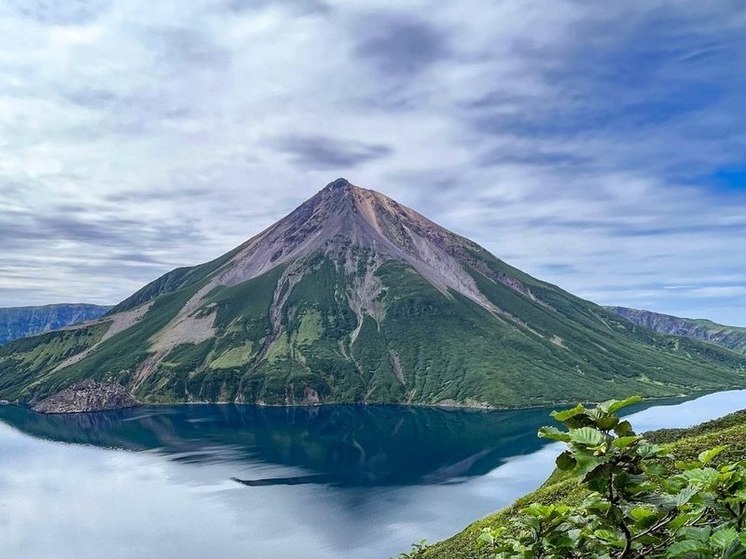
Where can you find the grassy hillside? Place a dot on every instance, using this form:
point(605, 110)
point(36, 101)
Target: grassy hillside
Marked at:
point(24, 361)
point(278, 341)
point(729, 337)
point(353, 298)
point(684, 444)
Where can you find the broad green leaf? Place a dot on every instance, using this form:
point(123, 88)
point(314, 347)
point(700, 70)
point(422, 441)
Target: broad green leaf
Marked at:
point(586, 463)
point(567, 414)
point(702, 476)
point(624, 429)
point(538, 510)
point(597, 505)
point(687, 465)
point(708, 455)
point(487, 537)
point(685, 495)
point(647, 450)
point(610, 537)
point(612, 406)
point(587, 436)
point(735, 550)
point(686, 547)
point(554, 434)
point(698, 533)
point(566, 461)
point(723, 537)
point(643, 517)
point(607, 423)
point(624, 442)
point(560, 540)
point(655, 469)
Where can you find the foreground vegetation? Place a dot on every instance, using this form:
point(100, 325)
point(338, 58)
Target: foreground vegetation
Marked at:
point(615, 494)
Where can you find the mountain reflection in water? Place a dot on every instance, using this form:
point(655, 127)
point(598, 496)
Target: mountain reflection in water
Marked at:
point(342, 445)
point(241, 481)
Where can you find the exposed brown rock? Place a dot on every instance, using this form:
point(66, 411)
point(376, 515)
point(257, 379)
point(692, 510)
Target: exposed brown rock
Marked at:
point(88, 396)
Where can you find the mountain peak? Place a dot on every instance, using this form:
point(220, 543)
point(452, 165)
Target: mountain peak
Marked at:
point(354, 297)
point(338, 184)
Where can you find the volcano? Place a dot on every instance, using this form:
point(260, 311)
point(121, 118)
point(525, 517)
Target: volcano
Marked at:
point(355, 298)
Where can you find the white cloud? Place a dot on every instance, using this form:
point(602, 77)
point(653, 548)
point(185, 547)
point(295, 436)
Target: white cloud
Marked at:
point(574, 141)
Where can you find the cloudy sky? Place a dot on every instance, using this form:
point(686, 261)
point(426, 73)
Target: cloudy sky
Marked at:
point(597, 145)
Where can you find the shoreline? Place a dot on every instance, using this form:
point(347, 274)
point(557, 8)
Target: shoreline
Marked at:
point(446, 407)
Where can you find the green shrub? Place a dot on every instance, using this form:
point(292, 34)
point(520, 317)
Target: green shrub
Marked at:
point(634, 500)
point(641, 504)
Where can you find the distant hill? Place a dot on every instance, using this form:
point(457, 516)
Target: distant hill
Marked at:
point(729, 337)
point(21, 322)
point(355, 298)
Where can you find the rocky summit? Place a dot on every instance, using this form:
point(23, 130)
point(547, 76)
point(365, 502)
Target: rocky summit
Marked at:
point(355, 298)
point(88, 396)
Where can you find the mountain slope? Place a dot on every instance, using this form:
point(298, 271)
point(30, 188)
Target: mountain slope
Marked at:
point(355, 298)
point(729, 337)
point(20, 322)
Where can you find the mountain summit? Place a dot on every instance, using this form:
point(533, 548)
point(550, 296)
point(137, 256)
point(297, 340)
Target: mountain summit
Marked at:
point(343, 222)
point(354, 297)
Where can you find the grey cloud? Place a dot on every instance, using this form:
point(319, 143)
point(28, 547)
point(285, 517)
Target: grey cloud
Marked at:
point(59, 12)
point(399, 44)
point(92, 98)
point(496, 99)
point(649, 82)
point(180, 49)
point(533, 157)
point(123, 269)
point(559, 268)
point(11, 188)
point(135, 258)
point(149, 104)
point(302, 7)
point(320, 152)
point(144, 196)
point(620, 227)
point(30, 230)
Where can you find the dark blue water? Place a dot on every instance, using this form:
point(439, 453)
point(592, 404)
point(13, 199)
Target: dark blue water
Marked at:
point(241, 481)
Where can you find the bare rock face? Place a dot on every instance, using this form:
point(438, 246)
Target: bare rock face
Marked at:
point(88, 396)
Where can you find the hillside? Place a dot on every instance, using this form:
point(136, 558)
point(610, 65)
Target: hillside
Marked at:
point(729, 337)
point(21, 322)
point(355, 298)
point(684, 444)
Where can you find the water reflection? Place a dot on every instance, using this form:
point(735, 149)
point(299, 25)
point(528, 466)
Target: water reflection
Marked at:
point(329, 483)
point(343, 445)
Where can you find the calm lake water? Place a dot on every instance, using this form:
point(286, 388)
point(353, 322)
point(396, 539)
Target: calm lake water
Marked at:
point(253, 483)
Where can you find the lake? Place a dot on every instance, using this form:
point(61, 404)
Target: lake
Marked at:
point(229, 481)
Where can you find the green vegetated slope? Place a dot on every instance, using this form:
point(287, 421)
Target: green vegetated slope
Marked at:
point(382, 309)
point(561, 487)
point(24, 360)
point(729, 337)
point(428, 347)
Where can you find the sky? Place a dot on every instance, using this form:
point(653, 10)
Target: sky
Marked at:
point(600, 146)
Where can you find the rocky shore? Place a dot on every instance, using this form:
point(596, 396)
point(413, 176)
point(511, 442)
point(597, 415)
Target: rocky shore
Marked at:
point(87, 396)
